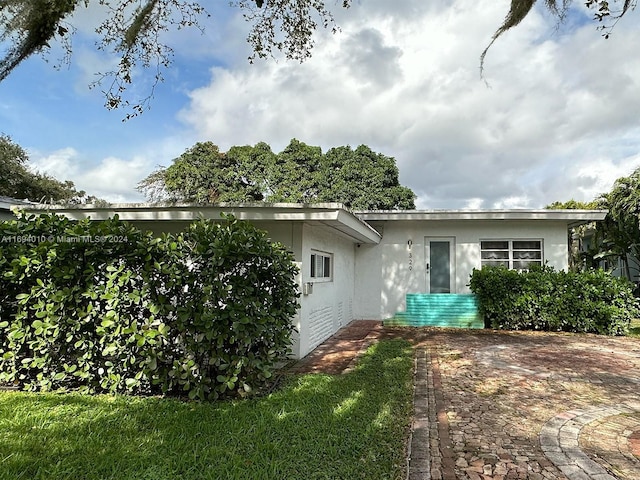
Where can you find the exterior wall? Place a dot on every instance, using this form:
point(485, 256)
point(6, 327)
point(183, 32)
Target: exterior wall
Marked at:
point(6, 215)
point(330, 305)
point(385, 273)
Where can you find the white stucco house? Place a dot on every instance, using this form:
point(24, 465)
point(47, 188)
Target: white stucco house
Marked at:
point(365, 265)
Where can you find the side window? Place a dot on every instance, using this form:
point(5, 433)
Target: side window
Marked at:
point(321, 266)
point(513, 254)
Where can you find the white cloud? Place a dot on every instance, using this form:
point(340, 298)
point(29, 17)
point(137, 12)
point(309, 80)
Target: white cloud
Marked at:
point(512, 202)
point(406, 82)
point(111, 179)
point(474, 204)
point(598, 175)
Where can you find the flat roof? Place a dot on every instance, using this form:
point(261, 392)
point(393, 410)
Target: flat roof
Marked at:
point(331, 215)
point(353, 224)
point(571, 217)
point(7, 202)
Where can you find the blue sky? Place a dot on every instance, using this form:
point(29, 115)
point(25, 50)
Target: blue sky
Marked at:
point(556, 118)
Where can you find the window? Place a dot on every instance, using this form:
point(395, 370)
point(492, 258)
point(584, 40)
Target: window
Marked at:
point(321, 265)
point(513, 254)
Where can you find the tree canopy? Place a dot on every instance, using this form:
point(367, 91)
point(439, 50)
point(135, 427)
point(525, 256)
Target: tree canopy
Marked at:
point(360, 179)
point(18, 181)
point(203, 174)
point(132, 30)
point(574, 205)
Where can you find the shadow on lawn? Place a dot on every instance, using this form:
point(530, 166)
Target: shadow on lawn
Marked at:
point(316, 426)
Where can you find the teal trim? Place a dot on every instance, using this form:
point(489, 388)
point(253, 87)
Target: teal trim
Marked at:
point(439, 310)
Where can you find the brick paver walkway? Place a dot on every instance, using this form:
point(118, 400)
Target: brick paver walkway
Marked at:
point(518, 405)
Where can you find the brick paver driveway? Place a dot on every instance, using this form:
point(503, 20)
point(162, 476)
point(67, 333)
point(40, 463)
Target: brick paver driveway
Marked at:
point(529, 405)
point(513, 405)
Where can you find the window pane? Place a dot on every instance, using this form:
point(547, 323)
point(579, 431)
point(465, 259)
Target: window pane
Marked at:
point(495, 263)
point(495, 245)
point(440, 274)
point(526, 245)
point(494, 255)
point(523, 255)
point(522, 265)
point(319, 266)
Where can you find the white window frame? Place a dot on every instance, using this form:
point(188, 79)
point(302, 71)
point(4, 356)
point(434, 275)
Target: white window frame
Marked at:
point(321, 266)
point(516, 255)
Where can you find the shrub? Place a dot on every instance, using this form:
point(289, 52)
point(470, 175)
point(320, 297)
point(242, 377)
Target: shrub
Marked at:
point(233, 321)
point(104, 307)
point(545, 299)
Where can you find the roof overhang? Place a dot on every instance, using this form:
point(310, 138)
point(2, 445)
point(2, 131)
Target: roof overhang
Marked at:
point(572, 218)
point(330, 215)
point(7, 203)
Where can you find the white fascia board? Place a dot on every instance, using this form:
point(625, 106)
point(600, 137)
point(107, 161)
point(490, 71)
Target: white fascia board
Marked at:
point(571, 217)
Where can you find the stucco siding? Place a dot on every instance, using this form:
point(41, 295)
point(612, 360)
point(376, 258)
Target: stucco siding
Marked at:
point(387, 272)
point(329, 306)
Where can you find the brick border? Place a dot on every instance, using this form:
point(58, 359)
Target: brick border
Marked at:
point(430, 452)
point(419, 454)
point(446, 449)
point(559, 439)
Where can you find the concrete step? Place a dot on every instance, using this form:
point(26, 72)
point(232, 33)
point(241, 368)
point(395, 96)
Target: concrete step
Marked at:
point(439, 310)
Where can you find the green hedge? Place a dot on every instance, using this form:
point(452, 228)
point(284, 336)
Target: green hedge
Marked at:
point(104, 307)
point(545, 299)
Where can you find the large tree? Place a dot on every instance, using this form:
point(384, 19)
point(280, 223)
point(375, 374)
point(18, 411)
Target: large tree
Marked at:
point(17, 180)
point(133, 30)
point(203, 174)
point(363, 179)
point(295, 176)
point(360, 179)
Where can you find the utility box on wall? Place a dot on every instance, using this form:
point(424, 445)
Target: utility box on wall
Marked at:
point(307, 288)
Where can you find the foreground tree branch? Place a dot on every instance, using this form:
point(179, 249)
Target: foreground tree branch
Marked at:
point(132, 31)
point(521, 8)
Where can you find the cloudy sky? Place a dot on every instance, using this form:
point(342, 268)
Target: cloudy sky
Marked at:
point(556, 116)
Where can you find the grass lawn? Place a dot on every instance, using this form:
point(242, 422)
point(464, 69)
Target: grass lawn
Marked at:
point(634, 328)
point(351, 426)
